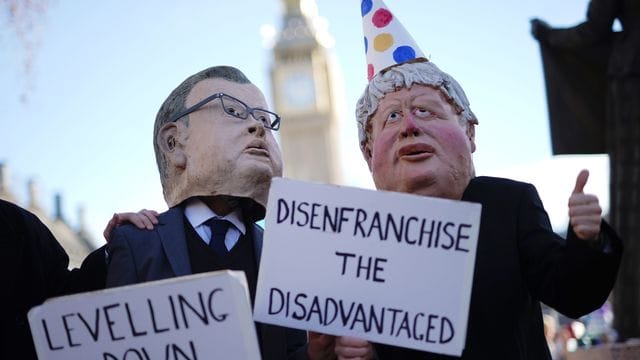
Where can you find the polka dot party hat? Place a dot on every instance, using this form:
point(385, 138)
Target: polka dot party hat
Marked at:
point(386, 41)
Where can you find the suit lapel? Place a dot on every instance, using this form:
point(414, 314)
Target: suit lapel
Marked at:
point(172, 235)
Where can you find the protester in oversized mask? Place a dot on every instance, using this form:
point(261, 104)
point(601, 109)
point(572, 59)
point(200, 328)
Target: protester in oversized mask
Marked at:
point(216, 154)
point(417, 135)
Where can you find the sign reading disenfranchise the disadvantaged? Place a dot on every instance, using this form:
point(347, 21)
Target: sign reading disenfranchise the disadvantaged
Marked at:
point(192, 317)
point(387, 267)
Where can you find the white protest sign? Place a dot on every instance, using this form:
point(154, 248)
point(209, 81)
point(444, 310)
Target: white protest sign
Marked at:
point(387, 267)
point(192, 317)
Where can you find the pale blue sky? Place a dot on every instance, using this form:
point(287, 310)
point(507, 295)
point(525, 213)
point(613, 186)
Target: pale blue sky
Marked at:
point(104, 67)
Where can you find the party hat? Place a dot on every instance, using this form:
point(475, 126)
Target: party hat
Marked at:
point(386, 41)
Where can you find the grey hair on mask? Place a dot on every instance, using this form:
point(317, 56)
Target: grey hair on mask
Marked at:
point(403, 76)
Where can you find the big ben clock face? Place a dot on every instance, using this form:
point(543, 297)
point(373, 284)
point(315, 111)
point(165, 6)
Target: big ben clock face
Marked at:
point(299, 91)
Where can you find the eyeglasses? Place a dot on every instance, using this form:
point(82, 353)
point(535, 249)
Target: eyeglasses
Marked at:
point(235, 108)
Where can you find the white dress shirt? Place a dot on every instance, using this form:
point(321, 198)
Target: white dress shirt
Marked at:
point(197, 212)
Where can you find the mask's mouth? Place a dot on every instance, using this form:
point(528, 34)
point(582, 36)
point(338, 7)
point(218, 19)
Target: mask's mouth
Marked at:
point(416, 150)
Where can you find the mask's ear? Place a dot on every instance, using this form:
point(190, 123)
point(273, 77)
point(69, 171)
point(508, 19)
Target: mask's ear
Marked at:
point(366, 152)
point(171, 143)
point(471, 134)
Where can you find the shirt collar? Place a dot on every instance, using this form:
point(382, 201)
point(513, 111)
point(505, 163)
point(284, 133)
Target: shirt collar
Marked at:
point(197, 212)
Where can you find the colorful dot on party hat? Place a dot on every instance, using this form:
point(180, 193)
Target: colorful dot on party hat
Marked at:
point(383, 42)
point(387, 42)
point(366, 6)
point(381, 18)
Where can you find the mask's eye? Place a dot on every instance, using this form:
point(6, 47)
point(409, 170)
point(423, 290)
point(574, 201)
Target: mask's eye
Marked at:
point(234, 109)
point(262, 118)
point(422, 112)
point(394, 116)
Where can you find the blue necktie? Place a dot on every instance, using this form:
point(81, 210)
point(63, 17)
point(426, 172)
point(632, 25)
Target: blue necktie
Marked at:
point(219, 229)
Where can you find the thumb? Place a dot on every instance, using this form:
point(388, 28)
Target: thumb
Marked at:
point(581, 181)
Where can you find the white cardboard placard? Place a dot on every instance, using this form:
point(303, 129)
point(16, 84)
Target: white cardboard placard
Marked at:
point(387, 267)
point(189, 317)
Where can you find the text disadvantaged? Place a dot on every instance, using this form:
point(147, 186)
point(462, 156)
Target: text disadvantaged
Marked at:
point(191, 317)
point(388, 267)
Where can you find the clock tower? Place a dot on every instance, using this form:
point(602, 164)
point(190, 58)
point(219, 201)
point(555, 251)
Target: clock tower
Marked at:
point(304, 92)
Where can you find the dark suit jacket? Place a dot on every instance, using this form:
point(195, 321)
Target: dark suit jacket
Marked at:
point(520, 262)
point(138, 255)
point(33, 267)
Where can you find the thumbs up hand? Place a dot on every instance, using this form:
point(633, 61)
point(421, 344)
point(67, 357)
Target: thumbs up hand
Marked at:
point(584, 210)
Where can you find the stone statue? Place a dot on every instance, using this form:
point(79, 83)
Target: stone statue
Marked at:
point(593, 84)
